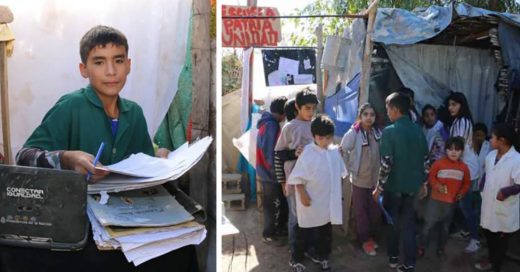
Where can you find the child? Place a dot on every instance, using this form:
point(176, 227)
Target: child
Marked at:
point(72, 131)
point(282, 156)
point(500, 196)
point(275, 212)
point(434, 131)
point(317, 176)
point(295, 133)
point(449, 181)
point(413, 114)
point(290, 109)
point(401, 178)
point(462, 125)
point(481, 144)
point(360, 146)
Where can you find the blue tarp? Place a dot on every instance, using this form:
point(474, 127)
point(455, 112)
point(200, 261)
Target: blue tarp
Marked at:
point(342, 106)
point(399, 26)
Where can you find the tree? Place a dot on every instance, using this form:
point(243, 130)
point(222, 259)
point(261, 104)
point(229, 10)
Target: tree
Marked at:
point(231, 70)
point(304, 34)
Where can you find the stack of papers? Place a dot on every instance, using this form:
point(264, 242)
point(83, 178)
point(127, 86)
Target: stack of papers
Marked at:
point(144, 224)
point(142, 171)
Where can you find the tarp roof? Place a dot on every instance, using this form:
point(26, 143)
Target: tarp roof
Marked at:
point(399, 26)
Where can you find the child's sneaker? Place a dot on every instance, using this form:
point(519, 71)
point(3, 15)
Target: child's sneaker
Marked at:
point(325, 266)
point(473, 246)
point(297, 267)
point(273, 241)
point(368, 248)
point(483, 265)
point(461, 235)
point(393, 262)
point(376, 246)
point(312, 257)
point(405, 268)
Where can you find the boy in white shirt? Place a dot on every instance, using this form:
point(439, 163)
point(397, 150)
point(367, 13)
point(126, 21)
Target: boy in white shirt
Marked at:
point(317, 175)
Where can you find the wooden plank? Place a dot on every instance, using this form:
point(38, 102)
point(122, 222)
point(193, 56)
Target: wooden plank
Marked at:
point(201, 177)
point(367, 55)
point(319, 74)
point(6, 130)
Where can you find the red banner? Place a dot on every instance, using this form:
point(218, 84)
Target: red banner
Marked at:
point(244, 32)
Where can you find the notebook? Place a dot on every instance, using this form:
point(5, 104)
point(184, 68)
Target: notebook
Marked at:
point(43, 208)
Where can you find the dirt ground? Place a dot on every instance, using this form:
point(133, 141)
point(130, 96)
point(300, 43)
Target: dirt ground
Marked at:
point(246, 252)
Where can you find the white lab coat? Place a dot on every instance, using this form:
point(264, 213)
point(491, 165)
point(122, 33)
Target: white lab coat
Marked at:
point(501, 216)
point(321, 171)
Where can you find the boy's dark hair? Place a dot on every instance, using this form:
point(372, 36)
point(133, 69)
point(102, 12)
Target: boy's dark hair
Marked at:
point(428, 107)
point(277, 105)
point(407, 91)
point(482, 127)
point(322, 125)
point(306, 96)
point(454, 142)
point(290, 109)
point(399, 101)
point(100, 36)
point(460, 98)
point(506, 132)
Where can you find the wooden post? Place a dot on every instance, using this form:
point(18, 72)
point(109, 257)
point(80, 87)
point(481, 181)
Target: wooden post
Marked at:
point(367, 56)
point(319, 75)
point(201, 179)
point(5, 103)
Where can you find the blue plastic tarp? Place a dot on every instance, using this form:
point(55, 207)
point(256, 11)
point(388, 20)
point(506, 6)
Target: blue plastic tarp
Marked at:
point(399, 26)
point(342, 106)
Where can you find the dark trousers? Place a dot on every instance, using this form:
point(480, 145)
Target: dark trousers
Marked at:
point(497, 244)
point(275, 209)
point(439, 214)
point(400, 207)
point(368, 215)
point(466, 205)
point(320, 238)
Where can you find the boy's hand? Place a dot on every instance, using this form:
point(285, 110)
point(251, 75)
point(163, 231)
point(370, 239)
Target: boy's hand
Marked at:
point(305, 199)
point(442, 188)
point(500, 196)
point(162, 153)
point(458, 197)
point(82, 163)
point(375, 194)
point(423, 191)
point(284, 190)
point(298, 151)
point(288, 189)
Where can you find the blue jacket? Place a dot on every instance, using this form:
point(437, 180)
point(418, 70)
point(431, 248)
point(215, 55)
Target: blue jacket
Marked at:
point(268, 132)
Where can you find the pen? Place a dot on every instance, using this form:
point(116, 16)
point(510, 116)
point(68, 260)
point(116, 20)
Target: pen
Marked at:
point(96, 159)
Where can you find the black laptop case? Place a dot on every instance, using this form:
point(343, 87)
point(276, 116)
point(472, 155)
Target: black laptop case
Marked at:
point(43, 208)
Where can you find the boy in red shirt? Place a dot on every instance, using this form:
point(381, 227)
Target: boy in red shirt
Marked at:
point(449, 181)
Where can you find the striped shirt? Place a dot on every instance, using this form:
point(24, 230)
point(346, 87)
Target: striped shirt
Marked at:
point(464, 128)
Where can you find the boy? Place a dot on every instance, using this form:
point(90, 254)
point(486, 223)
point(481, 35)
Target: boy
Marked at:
point(275, 212)
point(73, 130)
point(481, 144)
point(317, 176)
point(403, 152)
point(449, 180)
point(294, 134)
point(434, 131)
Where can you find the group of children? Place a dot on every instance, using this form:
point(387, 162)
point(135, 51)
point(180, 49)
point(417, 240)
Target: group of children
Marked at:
point(449, 165)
